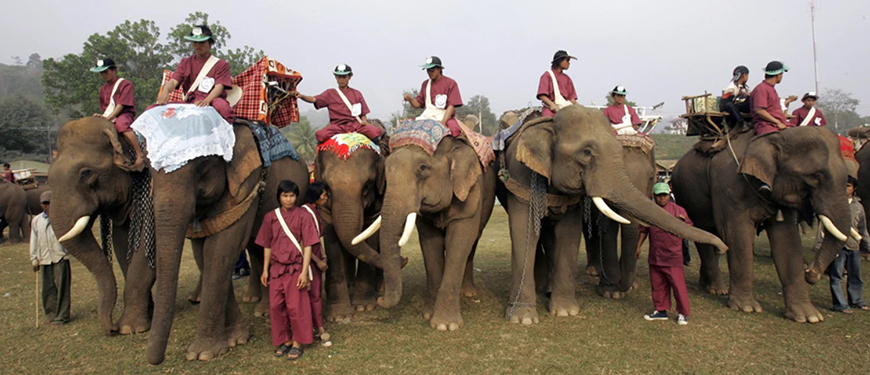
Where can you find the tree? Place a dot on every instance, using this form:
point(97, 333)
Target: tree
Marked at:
point(407, 112)
point(478, 105)
point(239, 58)
point(840, 105)
point(302, 137)
point(23, 123)
point(34, 61)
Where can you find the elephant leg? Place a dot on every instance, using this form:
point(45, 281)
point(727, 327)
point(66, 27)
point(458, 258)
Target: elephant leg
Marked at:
point(522, 301)
point(140, 277)
point(459, 240)
point(562, 301)
point(544, 264)
point(627, 258)
point(237, 329)
point(468, 288)
point(787, 251)
point(593, 257)
point(710, 276)
point(255, 287)
point(608, 255)
point(365, 292)
point(196, 296)
point(432, 246)
point(739, 235)
point(338, 306)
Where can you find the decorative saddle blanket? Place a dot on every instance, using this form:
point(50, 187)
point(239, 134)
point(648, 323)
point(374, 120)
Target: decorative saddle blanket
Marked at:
point(640, 140)
point(481, 144)
point(272, 143)
point(178, 133)
point(499, 143)
point(346, 144)
point(425, 134)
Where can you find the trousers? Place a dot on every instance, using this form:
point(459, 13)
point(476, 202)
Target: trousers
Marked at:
point(663, 281)
point(290, 309)
point(848, 260)
point(56, 280)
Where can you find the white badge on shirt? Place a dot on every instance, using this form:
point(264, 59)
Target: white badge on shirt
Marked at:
point(818, 121)
point(206, 85)
point(441, 101)
point(356, 109)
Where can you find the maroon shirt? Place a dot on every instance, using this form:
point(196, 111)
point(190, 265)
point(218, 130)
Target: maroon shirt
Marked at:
point(545, 87)
point(764, 96)
point(316, 249)
point(188, 69)
point(339, 114)
point(285, 255)
point(123, 96)
point(9, 176)
point(443, 86)
point(801, 113)
point(615, 112)
point(665, 249)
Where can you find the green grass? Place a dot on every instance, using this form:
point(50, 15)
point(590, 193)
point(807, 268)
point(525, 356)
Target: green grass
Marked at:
point(609, 336)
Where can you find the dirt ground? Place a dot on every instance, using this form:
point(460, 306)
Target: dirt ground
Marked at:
point(609, 336)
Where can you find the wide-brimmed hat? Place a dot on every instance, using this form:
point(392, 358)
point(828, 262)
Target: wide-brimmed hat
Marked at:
point(45, 197)
point(619, 90)
point(103, 64)
point(560, 55)
point(775, 68)
point(661, 188)
point(199, 33)
point(342, 70)
point(811, 94)
point(432, 62)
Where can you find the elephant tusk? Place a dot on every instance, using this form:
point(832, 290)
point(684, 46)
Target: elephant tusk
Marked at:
point(410, 223)
point(77, 229)
point(371, 230)
point(855, 234)
point(602, 206)
point(829, 226)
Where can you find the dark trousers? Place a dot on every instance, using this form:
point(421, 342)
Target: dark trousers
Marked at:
point(735, 119)
point(848, 260)
point(663, 281)
point(687, 257)
point(242, 263)
point(56, 280)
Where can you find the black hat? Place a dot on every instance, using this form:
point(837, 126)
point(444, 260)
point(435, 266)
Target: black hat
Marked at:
point(811, 94)
point(342, 70)
point(775, 68)
point(199, 33)
point(738, 72)
point(432, 62)
point(561, 55)
point(103, 64)
point(853, 181)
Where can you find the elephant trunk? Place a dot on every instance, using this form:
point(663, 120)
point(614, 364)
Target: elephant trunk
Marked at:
point(394, 215)
point(173, 212)
point(835, 209)
point(347, 219)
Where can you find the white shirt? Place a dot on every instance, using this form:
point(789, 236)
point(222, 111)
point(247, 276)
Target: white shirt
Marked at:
point(44, 247)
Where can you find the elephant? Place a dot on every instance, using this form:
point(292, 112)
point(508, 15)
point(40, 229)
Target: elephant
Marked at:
point(448, 196)
point(787, 172)
point(863, 174)
point(550, 165)
point(356, 192)
point(13, 212)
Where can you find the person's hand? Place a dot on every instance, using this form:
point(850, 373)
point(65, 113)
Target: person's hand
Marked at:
point(295, 94)
point(791, 98)
point(35, 268)
point(681, 217)
point(264, 278)
point(407, 97)
point(163, 98)
point(635, 127)
point(203, 103)
point(363, 122)
point(98, 115)
point(780, 125)
point(554, 107)
point(323, 266)
point(637, 253)
point(302, 282)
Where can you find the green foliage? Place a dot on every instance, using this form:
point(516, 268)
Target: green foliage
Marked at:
point(610, 101)
point(302, 137)
point(672, 146)
point(407, 110)
point(478, 105)
point(23, 124)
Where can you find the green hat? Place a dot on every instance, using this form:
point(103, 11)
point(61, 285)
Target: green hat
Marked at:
point(661, 188)
point(619, 90)
point(431, 62)
point(199, 33)
point(342, 70)
point(103, 64)
point(775, 68)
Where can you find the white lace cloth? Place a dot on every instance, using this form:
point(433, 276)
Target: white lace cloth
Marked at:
point(178, 133)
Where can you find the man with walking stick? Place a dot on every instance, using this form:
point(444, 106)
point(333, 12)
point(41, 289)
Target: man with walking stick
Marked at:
point(48, 255)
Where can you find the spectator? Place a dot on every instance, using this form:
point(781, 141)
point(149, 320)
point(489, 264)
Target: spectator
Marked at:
point(849, 259)
point(47, 254)
point(7, 173)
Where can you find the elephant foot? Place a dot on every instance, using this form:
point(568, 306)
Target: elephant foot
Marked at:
point(339, 312)
point(262, 308)
point(569, 307)
point(468, 290)
point(523, 315)
point(194, 299)
point(746, 304)
point(251, 299)
point(610, 291)
point(240, 335)
point(429, 310)
point(446, 321)
point(592, 271)
point(129, 324)
point(207, 349)
point(365, 307)
point(803, 312)
point(717, 288)
point(365, 304)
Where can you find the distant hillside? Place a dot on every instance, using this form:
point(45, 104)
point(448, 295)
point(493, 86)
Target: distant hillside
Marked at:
point(672, 146)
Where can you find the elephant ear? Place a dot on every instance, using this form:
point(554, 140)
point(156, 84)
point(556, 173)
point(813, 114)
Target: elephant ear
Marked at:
point(120, 159)
point(762, 157)
point(535, 147)
point(465, 169)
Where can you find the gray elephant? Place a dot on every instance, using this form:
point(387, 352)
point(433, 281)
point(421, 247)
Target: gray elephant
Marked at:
point(550, 166)
point(13, 212)
point(763, 182)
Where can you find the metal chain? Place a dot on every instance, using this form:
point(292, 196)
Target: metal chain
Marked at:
point(537, 210)
point(106, 235)
point(602, 221)
point(142, 218)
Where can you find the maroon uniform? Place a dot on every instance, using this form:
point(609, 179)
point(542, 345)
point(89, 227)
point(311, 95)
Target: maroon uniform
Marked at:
point(615, 112)
point(187, 71)
point(545, 87)
point(764, 96)
point(315, 294)
point(124, 96)
point(444, 86)
point(666, 264)
point(341, 120)
point(801, 114)
point(289, 306)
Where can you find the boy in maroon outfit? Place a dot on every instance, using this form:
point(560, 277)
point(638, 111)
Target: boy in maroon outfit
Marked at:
point(316, 197)
point(347, 108)
point(118, 103)
point(555, 88)
point(666, 261)
point(286, 271)
point(444, 100)
point(767, 112)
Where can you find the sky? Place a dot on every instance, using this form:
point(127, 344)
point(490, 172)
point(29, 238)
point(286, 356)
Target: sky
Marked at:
point(659, 50)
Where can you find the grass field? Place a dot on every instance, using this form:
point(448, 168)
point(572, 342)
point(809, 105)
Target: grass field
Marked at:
point(609, 336)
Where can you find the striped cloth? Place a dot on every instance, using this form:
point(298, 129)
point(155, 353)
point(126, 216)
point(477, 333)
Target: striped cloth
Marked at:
point(346, 144)
point(425, 134)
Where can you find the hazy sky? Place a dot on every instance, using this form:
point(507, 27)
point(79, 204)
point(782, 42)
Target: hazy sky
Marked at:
point(660, 50)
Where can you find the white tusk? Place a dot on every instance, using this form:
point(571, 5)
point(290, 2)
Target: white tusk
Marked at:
point(77, 229)
point(602, 206)
point(829, 226)
point(368, 232)
point(855, 234)
point(410, 223)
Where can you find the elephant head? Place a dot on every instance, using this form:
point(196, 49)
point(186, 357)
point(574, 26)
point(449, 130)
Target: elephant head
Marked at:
point(421, 183)
point(803, 166)
point(577, 152)
point(87, 181)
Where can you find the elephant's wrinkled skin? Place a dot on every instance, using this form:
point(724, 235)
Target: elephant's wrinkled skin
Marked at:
point(804, 169)
point(88, 183)
point(454, 197)
point(578, 155)
point(13, 212)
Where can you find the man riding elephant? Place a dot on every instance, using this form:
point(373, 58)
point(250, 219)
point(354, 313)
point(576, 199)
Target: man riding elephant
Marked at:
point(117, 101)
point(555, 88)
point(623, 118)
point(439, 95)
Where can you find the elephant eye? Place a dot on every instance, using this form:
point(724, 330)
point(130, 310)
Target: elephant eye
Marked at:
point(587, 152)
point(86, 173)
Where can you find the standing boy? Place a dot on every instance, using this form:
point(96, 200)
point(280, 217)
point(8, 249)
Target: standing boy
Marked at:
point(849, 259)
point(666, 261)
point(47, 254)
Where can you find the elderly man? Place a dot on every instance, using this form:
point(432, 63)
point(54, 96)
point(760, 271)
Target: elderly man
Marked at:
point(767, 112)
point(439, 95)
point(555, 88)
point(47, 255)
point(808, 114)
point(118, 103)
point(623, 118)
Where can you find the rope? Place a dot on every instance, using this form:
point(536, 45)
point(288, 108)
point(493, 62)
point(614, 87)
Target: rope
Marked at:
point(537, 210)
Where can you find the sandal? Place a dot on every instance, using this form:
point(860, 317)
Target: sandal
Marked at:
point(294, 354)
point(847, 311)
point(864, 308)
point(281, 350)
point(325, 336)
